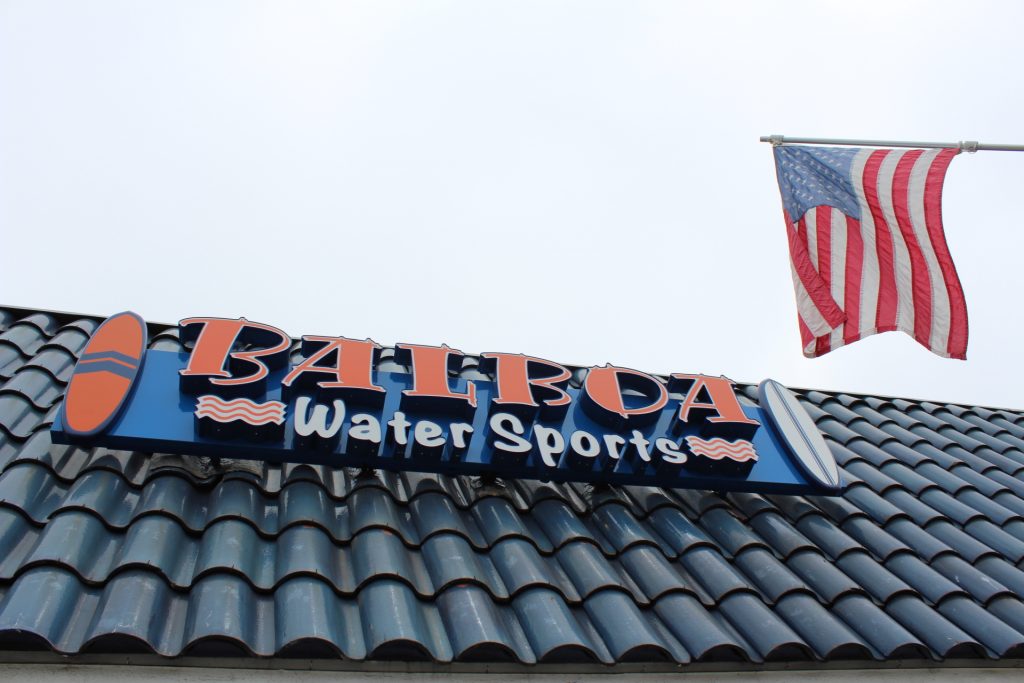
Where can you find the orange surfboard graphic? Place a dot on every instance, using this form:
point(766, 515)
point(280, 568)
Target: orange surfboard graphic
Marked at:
point(104, 375)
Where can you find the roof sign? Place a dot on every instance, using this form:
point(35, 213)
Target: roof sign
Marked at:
point(239, 394)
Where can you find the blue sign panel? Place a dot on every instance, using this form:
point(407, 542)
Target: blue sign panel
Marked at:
point(620, 427)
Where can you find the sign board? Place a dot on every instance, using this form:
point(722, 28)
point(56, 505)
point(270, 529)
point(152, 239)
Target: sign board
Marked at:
point(238, 393)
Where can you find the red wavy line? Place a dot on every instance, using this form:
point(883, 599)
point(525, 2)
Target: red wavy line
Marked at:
point(241, 400)
point(255, 410)
point(712, 449)
point(209, 398)
point(740, 457)
point(719, 452)
point(217, 402)
point(718, 441)
point(240, 411)
point(718, 449)
point(245, 411)
point(721, 449)
point(737, 457)
point(268, 414)
point(276, 419)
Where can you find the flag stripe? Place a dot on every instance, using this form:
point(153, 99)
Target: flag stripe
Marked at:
point(838, 272)
point(900, 254)
point(885, 316)
point(816, 289)
point(920, 285)
point(806, 338)
point(956, 347)
point(935, 328)
point(854, 270)
point(810, 315)
point(810, 230)
point(869, 276)
point(823, 227)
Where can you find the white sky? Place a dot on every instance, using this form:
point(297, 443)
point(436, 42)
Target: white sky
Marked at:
point(580, 181)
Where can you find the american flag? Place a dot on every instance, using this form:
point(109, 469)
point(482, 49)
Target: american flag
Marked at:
point(867, 249)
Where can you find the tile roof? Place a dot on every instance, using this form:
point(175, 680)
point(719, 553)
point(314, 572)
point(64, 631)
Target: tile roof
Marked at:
point(115, 552)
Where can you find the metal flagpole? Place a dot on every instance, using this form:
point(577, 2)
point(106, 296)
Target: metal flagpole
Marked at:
point(966, 145)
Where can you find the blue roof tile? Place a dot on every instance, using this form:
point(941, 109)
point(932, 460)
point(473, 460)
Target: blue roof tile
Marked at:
point(751, 504)
point(780, 534)
point(655, 576)
point(481, 630)
point(985, 627)
point(830, 539)
point(838, 431)
point(715, 574)
point(887, 635)
point(995, 538)
point(554, 632)
point(987, 485)
point(772, 578)
point(307, 613)
point(27, 335)
point(450, 560)
point(1002, 571)
point(11, 359)
point(827, 636)
point(18, 536)
point(822, 575)
point(705, 635)
point(988, 455)
point(795, 508)
point(620, 528)
point(968, 547)
point(627, 634)
point(71, 338)
point(945, 479)
point(928, 583)
point(589, 571)
point(860, 450)
point(880, 542)
point(19, 417)
point(560, 524)
point(941, 636)
point(411, 629)
point(923, 544)
point(679, 532)
point(1009, 610)
point(1013, 483)
point(908, 478)
point(880, 509)
point(498, 519)
point(866, 571)
point(981, 585)
point(437, 513)
point(771, 637)
point(521, 567)
point(1007, 500)
point(920, 512)
point(1015, 528)
point(731, 535)
point(839, 510)
point(872, 476)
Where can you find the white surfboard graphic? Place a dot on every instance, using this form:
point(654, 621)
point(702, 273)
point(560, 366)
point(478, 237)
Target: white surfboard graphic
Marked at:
point(798, 431)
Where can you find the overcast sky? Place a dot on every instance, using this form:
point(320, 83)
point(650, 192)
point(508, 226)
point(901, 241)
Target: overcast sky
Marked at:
point(580, 181)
